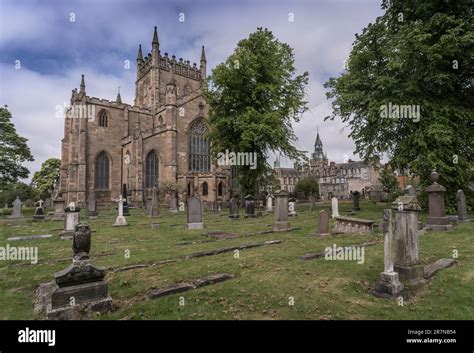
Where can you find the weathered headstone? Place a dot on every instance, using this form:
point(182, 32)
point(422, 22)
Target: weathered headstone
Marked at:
point(92, 206)
point(249, 207)
point(312, 203)
point(389, 283)
point(16, 212)
point(71, 220)
point(233, 208)
point(173, 204)
point(323, 225)
point(355, 200)
point(81, 283)
point(437, 219)
point(335, 207)
point(58, 209)
point(461, 206)
point(120, 221)
point(407, 262)
point(194, 219)
point(47, 202)
point(281, 211)
point(269, 203)
point(126, 211)
point(154, 210)
point(39, 211)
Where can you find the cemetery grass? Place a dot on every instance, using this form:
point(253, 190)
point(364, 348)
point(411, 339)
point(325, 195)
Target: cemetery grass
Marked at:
point(264, 277)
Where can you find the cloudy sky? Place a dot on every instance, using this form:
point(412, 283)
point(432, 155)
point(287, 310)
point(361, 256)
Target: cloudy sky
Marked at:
point(46, 45)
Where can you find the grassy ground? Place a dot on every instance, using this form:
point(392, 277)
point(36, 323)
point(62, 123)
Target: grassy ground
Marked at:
point(265, 277)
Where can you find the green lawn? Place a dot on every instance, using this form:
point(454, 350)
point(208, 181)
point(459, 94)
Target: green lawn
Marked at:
point(265, 277)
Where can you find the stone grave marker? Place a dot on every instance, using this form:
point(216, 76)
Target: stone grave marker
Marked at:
point(312, 203)
point(461, 206)
point(233, 208)
point(323, 225)
point(355, 201)
point(281, 211)
point(120, 221)
point(71, 219)
point(249, 207)
point(335, 207)
point(437, 219)
point(39, 211)
point(16, 212)
point(269, 203)
point(194, 217)
point(92, 206)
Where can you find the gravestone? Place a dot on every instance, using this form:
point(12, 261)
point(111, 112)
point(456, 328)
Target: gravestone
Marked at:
point(81, 284)
point(281, 211)
point(16, 212)
point(39, 211)
point(269, 203)
point(437, 219)
point(126, 211)
point(92, 206)
point(323, 225)
point(173, 204)
point(461, 206)
point(47, 202)
point(312, 203)
point(194, 218)
point(120, 221)
point(71, 219)
point(389, 283)
point(355, 200)
point(154, 210)
point(58, 209)
point(292, 207)
point(249, 207)
point(335, 207)
point(233, 208)
point(407, 261)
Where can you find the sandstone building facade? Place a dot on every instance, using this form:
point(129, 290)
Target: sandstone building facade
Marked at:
point(160, 138)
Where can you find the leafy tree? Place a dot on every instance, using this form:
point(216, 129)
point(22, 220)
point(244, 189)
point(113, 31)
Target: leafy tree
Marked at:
point(388, 180)
point(254, 97)
point(44, 179)
point(418, 53)
point(12, 190)
point(13, 151)
point(309, 185)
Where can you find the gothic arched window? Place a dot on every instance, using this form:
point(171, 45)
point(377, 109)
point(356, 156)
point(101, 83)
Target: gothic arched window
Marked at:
point(102, 172)
point(151, 170)
point(219, 189)
point(199, 155)
point(205, 189)
point(103, 118)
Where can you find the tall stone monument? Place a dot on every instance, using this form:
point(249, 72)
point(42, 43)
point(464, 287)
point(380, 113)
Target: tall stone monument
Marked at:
point(407, 261)
point(194, 217)
point(249, 207)
point(126, 211)
point(335, 207)
point(120, 221)
point(281, 211)
point(437, 219)
point(389, 283)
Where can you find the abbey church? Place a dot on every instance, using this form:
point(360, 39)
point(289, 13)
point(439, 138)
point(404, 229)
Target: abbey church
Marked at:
point(160, 138)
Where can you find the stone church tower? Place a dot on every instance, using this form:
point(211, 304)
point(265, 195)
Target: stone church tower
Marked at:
point(160, 138)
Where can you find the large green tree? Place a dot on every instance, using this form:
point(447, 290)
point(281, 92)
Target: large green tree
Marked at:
point(308, 185)
point(43, 180)
point(417, 53)
point(13, 151)
point(254, 97)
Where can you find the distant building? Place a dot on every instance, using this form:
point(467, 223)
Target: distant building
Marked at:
point(334, 179)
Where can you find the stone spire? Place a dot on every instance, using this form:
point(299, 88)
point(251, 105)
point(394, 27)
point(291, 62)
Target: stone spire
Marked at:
point(203, 63)
point(318, 149)
point(83, 85)
point(119, 98)
point(155, 38)
point(140, 54)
